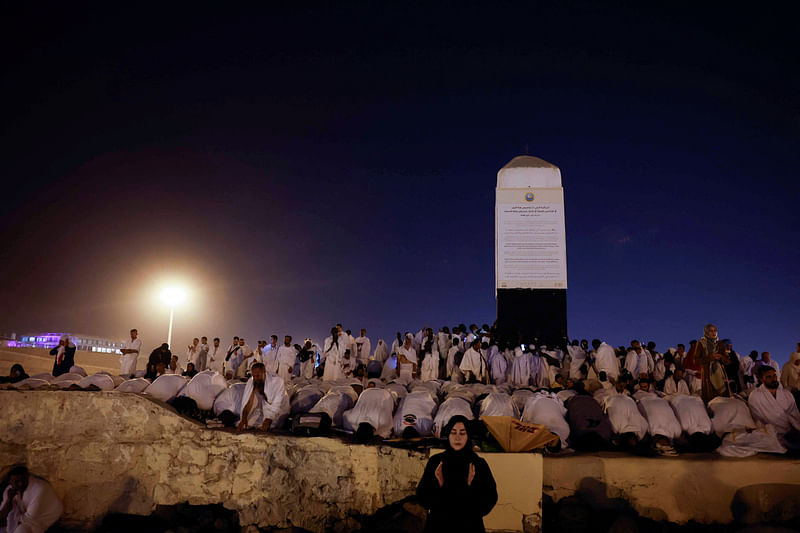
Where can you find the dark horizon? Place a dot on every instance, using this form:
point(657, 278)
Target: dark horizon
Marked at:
point(296, 167)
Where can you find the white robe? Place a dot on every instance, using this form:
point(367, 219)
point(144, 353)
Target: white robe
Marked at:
point(547, 409)
point(498, 366)
point(381, 351)
point(135, 385)
point(659, 414)
point(790, 375)
point(362, 348)
point(337, 400)
point(623, 413)
point(605, 360)
point(127, 362)
point(230, 400)
point(445, 343)
point(451, 360)
point(35, 510)
point(672, 388)
point(450, 407)
point(577, 359)
point(521, 369)
point(166, 387)
point(216, 358)
point(287, 355)
point(638, 364)
point(691, 413)
point(333, 359)
point(406, 369)
point(430, 367)
point(374, 407)
point(273, 404)
point(498, 404)
point(779, 410)
point(416, 410)
point(730, 414)
point(204, 388)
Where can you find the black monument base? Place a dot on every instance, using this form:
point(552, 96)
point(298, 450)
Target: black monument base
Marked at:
point(536, 316)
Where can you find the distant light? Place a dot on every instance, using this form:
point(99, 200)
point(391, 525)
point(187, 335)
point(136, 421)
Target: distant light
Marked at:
point(173, 296)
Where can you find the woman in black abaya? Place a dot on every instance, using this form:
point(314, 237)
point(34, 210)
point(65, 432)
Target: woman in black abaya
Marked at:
point(457, 488)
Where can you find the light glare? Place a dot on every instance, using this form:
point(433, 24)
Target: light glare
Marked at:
point(173, 296)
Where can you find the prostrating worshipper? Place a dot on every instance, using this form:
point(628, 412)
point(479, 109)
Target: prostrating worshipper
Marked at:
point(451, 407)
point(414, 416)
point(308, 358)
point(372, 415)
point(204, 388)
point(193, 352)
point(335, 402)
point(99, 381)
point(695, 422)
point(589, 427)
point(709, 355)
point(287, 355)
point(30, 505)
point(305, 397)
point(65, 355)
point(265, 404)
point(228, 404)
point(498, 404)
point(638, 360)
point(545, 408)
point(159, 355)
point(332, 355)
point(166, 387)
point(216, 357)
point(362, 348)
point(605, 359)
point(16, 374)
point(663, 427)
point(730, 415)
point(675, 384)
point(457, 487)
point(136, 385)
point(130, 354)
point(190, 371)
point(407, 361)
point(628, 423)
point(772, 404)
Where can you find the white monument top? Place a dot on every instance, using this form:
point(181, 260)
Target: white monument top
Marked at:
point(527, 171)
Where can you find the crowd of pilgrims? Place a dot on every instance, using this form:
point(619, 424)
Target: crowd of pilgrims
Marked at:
point(591, 395)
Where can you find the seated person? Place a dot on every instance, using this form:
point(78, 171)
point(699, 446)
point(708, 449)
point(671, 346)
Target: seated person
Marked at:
point(770, 403)
point(414, 416)
point(174, 366)
point(29, 503)
point(190, 371)
point(265, 404)
point(675, 384)
point(372, 415)
point(589, 427)
point(17, 374)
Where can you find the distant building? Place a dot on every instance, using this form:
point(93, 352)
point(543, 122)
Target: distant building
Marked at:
point(86, 343)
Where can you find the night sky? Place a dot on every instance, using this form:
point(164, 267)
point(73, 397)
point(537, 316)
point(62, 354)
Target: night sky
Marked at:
point(298, 167)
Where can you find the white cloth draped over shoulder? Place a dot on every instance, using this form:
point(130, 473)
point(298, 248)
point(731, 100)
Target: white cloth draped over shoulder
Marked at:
point(332, 354)
point(660, 417)
point(779, 410)
point(623, 413)
point(273, 404)
point(691, 413)
point(547, 409)
point(35, 510)
point(605, 360)
point(415, 410)
point(374, 407)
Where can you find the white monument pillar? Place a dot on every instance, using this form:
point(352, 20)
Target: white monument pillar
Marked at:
point(531, 252)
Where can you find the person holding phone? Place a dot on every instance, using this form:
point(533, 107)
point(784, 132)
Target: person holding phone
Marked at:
point(457, 487)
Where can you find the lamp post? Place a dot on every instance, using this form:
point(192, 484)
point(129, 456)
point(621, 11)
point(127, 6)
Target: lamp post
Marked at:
point(172, 296)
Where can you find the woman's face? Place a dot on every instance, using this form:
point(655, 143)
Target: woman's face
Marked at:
point(458, 436)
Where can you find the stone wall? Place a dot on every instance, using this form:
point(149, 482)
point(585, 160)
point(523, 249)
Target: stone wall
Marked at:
point(115, 452)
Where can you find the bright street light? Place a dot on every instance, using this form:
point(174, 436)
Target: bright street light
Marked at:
point(172, 296)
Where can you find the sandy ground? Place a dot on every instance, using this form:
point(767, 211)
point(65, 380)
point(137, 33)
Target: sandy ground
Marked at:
point(38, 360)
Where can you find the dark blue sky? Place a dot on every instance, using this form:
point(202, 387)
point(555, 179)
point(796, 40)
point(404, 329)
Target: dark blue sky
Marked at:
point(305, 166)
